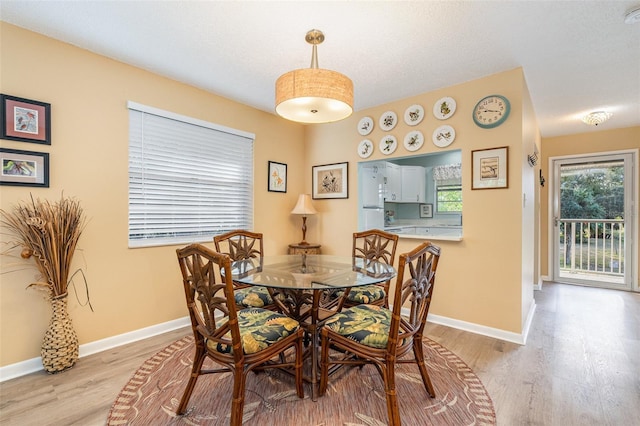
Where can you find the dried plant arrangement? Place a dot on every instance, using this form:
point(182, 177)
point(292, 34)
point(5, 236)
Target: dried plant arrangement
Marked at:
point(49, 233)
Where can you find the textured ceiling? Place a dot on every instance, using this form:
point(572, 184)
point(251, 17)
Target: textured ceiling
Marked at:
point(577, 56)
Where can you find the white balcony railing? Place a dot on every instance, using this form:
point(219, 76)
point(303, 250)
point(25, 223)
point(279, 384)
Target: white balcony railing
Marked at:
point(592, 246)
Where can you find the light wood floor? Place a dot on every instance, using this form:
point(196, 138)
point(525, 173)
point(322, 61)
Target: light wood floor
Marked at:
point(581, 366)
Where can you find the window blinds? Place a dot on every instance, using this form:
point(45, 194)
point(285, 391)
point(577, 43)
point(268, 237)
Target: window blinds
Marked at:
point(188, 179)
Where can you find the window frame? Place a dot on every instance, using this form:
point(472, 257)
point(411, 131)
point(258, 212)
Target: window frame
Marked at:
point(163, 212)
point(455, 187)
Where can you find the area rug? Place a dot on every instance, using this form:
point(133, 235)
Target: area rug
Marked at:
point(355, 397)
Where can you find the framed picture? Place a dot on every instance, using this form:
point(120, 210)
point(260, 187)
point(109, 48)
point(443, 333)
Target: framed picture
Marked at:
point(331, 181)
point(490, 168)
point(25, 120)
point(426, 210)
point(24, 168)
point(277, 177)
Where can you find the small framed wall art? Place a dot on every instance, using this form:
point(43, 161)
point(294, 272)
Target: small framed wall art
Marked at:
point(277, 177)
point(426, 210)
point(24, 168)
point(490, 168)
point(330, 181)
point(25, 120)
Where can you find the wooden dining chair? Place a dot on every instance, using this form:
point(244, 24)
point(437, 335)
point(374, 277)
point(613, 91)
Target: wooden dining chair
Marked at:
point(240, 245)
point(372, 334)
point(378, 245)
point(241, 341)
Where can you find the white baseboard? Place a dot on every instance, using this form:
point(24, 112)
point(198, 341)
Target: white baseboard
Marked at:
point(35, 364)
point(483, 330)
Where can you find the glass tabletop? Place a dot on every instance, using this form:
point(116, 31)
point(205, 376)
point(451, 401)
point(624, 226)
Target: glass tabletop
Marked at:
point(300, 271)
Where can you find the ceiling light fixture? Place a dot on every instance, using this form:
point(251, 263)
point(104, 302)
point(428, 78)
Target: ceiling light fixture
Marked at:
point(314, 95)
point(633, 16)
point(597, 117)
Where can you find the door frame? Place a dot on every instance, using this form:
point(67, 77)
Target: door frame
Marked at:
point(631, 211)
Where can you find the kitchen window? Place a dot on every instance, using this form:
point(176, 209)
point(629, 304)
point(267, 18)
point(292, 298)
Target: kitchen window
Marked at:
point(449, 198)
point(448, 184)
point(188, 179)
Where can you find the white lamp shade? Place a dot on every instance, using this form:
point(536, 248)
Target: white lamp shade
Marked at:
point(314, 96)
point(304, 206)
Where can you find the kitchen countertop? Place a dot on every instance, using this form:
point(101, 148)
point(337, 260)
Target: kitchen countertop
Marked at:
point(442, 232)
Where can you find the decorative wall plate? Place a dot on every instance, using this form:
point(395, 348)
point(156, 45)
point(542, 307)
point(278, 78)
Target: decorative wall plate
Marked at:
point(388, 144)
point(414, 140)
point(414, 115)
point(365, 148)
point(365, 126)
point(444, 108)
point(443, 136)
point(388, 121)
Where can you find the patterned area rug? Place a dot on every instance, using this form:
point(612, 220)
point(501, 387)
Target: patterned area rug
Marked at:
point(355, 396)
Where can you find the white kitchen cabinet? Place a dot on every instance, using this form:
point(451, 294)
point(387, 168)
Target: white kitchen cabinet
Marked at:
point(392, 183)
point(412, 184)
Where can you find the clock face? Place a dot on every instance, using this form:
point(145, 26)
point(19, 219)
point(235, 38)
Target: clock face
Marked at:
point(491, 111)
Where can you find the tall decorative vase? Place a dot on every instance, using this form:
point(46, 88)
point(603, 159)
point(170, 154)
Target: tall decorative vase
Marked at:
point(60, 344)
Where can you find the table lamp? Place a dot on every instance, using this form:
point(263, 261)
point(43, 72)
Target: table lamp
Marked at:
point(305, 208)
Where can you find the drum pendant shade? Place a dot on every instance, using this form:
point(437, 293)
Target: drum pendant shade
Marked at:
point(314, 95)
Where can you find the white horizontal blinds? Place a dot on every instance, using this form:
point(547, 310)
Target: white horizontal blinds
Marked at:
point(187, 182)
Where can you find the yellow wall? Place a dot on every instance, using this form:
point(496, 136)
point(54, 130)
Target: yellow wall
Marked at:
point(530, 203)
point(130, 288)
point(583, 143)
point(480, 279)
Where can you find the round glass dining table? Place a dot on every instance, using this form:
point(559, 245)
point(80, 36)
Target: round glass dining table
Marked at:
point(308, 288)
point(310, 272)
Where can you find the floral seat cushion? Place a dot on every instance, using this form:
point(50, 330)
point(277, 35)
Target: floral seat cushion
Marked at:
point(365, 324)
point(366, 294)
point(253, 297)
point(259, 328)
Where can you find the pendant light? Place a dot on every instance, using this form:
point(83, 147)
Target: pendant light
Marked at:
point(314, 95)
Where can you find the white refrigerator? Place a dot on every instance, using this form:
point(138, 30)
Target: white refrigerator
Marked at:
point(372, 218)
point(371, 197)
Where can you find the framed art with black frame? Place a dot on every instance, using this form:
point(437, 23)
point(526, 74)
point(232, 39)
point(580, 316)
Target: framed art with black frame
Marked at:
point(330, 181)
point(277, 177)
point(426, 210)
point(25, 120)
point(24, 168)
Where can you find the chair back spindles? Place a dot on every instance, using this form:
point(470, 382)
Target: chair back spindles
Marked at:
point(220, 329)
point(374, 334)
point(421, 264)
point(378, 245)
point(240, 244)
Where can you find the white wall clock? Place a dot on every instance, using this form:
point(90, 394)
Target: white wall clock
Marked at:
point(388, 144)
point(443, 136)
point(444, 108)
point(365, 148)
point(365, 126)
point(491, 111)
point(413, 140)
point(388, 121)
point(414, 115)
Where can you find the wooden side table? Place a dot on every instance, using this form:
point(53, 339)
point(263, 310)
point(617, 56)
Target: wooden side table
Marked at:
point(304, 249)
